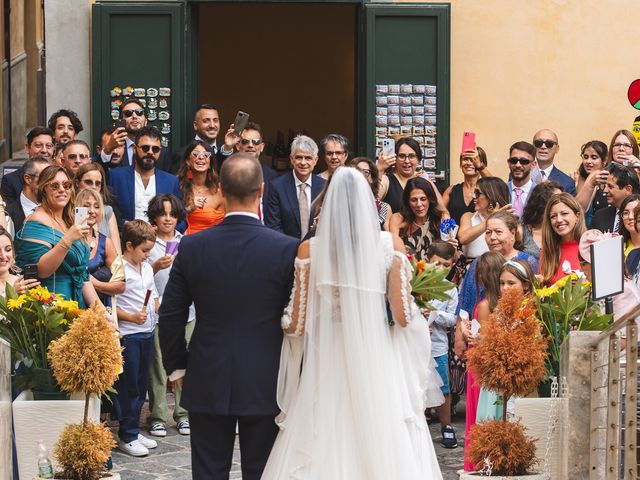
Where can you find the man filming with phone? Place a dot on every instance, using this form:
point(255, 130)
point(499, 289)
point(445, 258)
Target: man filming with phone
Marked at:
point(133, 114)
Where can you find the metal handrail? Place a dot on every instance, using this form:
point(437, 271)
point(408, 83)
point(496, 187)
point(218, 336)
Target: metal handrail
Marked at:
point(617, 325)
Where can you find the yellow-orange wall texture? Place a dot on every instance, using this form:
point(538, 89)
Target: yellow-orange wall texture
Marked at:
point(521, 65)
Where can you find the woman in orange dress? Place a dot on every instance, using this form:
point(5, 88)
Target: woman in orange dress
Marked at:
point(199, 186)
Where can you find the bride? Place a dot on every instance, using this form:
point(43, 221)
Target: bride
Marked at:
point(356, 412)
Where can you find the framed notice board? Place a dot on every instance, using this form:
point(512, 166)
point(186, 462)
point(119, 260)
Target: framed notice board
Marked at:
point(407, 87)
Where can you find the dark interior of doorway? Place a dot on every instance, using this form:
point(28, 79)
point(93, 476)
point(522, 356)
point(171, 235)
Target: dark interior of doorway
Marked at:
point(291, 66)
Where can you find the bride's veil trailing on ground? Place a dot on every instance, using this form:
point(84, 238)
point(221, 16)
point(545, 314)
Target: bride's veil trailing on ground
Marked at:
point(353, 407)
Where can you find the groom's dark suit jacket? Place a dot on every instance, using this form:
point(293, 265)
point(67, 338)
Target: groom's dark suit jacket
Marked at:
point(239, 274)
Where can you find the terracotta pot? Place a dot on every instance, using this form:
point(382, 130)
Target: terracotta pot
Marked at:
point(529, 476)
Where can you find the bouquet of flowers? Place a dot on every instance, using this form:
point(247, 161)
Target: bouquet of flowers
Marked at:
point(428, 283)
point(564, 306)
point(30, 322)
point(448, 229)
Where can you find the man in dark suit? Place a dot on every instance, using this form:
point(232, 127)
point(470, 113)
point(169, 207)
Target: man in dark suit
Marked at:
point(233, 357)
point(39, 142)
point(622, 182)
point(206, 124)
point(135, 118)
point(288, 206)
point(134, 186)
point(27, 202)
point(547, 146)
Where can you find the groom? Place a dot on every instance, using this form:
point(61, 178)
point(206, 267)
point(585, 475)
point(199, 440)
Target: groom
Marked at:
point(239, 275)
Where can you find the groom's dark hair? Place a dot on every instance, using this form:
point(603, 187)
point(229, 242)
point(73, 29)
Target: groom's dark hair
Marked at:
point(241, 177)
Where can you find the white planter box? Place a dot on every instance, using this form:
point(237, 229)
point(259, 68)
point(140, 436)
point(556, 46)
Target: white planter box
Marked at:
point(534, 413)
point(44, 420)
point(5, 411)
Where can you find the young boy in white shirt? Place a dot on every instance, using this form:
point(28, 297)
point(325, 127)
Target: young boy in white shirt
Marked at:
point(443, 254)
point(137, 322)
point(165, 212)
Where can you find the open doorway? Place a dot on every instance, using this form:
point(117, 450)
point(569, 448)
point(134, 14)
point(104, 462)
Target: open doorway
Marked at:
point(291, 66)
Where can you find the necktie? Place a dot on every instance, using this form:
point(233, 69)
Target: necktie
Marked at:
point(303, 204)
point(543, 175)
point(518, 206)
point(616, 222)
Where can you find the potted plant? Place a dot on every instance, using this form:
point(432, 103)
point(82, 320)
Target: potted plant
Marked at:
point(561, 308)
point(509, 359)
point(87, 359)
point(30, 322)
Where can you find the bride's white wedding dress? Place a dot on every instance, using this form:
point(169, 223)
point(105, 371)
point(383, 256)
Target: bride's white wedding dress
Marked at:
point(352, 388)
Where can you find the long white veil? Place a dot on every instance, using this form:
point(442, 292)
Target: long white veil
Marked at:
point(351, 378)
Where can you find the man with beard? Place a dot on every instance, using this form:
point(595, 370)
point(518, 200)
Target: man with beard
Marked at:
point(133, 114)
point(206, 124)
point(521, 160)
point(135, 185)
point(65, 125)
point(622, 182)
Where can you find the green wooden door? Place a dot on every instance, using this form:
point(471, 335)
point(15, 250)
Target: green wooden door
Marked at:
point(407, 53)
point(142, 46)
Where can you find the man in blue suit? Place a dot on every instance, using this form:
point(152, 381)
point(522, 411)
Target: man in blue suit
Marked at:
point(134, 186)
point(288, 206)
point(239, 276)
point(546, 143)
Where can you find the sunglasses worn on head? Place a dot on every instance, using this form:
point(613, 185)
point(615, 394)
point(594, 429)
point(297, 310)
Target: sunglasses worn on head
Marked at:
point(520, 160)
point(146, 148)
point(547, 143)
point(247, 141)
point(128, 113)
point(55, 186)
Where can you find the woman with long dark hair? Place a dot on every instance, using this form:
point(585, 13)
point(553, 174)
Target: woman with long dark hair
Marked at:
point(418, 221)
point(199, 184)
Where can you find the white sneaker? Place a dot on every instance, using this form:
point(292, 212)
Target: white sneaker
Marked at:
point(135, 448)
point(184, 428)
point(147, 442)
point(158, 430)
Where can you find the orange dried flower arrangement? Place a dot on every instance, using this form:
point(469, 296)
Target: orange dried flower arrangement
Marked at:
point(509, 359)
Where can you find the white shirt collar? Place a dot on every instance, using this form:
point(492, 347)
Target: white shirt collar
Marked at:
point(525, 188)
point(246, 214)
point(300, 182)
point(547, 171)
point(27, 205)
point(213, 145)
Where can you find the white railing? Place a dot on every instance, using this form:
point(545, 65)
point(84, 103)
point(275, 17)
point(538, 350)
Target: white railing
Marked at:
point(613, 428)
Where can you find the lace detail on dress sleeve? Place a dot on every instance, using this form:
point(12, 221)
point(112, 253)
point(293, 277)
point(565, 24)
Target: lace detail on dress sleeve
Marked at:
point(294, 316)
point(399, 289)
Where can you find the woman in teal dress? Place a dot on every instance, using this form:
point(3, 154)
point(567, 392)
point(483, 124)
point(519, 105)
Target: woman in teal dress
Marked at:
point(50, 239)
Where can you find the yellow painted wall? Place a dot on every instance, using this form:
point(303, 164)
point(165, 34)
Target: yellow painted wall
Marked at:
point(521, 65)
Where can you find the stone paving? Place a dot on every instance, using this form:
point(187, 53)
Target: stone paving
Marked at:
point(172, 458)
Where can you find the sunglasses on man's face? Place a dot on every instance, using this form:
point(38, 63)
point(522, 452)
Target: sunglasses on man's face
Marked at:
point(247, 141)
point(520, 160)
point(547, 143)
point(138, 111)
point(146, 148)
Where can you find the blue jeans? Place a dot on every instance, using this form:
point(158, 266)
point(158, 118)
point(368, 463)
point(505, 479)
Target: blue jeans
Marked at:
point(132, 383)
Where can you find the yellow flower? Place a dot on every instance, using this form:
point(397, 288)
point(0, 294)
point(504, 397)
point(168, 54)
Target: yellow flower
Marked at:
point(41, 294)
point(547, 291)
point(421, 265)
point(66, 305)
point(15, 303)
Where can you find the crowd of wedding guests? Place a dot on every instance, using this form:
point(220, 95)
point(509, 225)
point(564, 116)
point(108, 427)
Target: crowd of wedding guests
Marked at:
point(104, 226)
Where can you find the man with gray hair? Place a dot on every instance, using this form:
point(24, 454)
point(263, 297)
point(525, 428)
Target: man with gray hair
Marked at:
point(288, 206)
point(334, 148)
point(230, 370)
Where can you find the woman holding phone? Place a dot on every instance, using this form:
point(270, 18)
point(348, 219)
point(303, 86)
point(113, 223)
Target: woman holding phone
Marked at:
point(51, 240)
point(400, 168)
point(591, 178)
point(102, 250)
